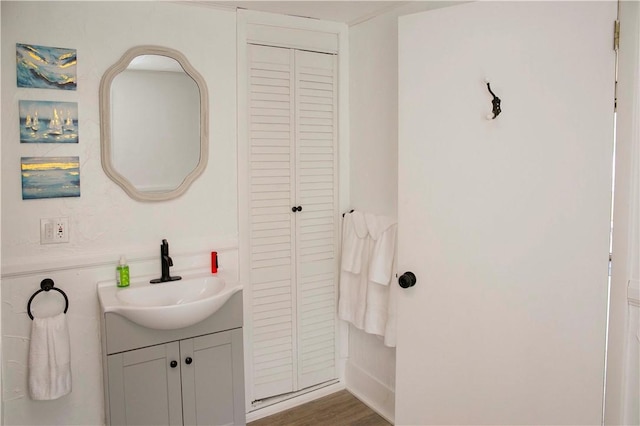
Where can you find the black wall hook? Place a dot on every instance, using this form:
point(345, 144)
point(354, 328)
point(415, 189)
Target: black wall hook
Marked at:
point(495, 103)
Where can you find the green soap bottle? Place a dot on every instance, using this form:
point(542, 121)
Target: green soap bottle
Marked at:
point(122, 273)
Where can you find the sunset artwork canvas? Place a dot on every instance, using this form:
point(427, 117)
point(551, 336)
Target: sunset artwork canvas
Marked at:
point(43, 67)
point(50, 177)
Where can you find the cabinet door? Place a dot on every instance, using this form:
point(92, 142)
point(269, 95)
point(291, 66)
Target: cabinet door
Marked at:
point(143, 387)
point(271, 220)
point(316, 224)
point(293, 218)
point(213, 379)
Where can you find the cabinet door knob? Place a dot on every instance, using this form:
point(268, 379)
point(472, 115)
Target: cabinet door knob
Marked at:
point(406, 280)
point(296, 209)
point(188, 360)
point(173, 364)
point(299, 208)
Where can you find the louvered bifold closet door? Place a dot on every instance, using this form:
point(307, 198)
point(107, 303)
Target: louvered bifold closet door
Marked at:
point(272, 191)
point(315, 83)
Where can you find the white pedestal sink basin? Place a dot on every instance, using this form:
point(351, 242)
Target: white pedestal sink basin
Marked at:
point(170, 305)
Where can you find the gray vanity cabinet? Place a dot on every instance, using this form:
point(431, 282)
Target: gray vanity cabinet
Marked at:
point(209, 389)
point(169, 380)
point(143, 388)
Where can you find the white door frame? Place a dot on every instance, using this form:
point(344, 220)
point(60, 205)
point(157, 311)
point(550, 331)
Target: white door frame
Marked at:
point(625, 218)
point(306, 34)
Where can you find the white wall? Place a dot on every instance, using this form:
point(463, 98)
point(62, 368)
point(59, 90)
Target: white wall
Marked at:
point(104, 222)
point(373, 99)
point(373, 109)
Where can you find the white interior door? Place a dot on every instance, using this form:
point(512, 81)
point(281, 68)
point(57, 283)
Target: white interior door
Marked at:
point(504, 222)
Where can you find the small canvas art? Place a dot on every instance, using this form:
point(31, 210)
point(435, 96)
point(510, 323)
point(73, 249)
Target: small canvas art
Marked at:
point(48, 122)
point(50, 177)
point(43, 67)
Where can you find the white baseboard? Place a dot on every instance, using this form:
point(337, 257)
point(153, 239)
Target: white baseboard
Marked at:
point(294, 401)
point(373, 393)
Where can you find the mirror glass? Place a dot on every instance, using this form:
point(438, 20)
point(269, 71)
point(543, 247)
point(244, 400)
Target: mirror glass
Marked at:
point(154, 123)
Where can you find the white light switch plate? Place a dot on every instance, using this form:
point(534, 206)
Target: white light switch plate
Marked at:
point(54, 230)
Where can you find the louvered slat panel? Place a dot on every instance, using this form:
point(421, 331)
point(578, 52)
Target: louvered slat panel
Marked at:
point(325, 248)
point(261, 208)
point(262, 243)
point(320, 218)
point(271, 149)
point(262, 223)
point(272, 336)
point(315, 255)
point(271, 136)
point(327, 241)
point(321, 330)
point(314, 186)
point(269, 247)
point(268, 233)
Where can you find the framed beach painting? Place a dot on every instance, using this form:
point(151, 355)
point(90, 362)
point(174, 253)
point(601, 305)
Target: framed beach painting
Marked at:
point(50, 177)
point(48, 122)
point(44, 67)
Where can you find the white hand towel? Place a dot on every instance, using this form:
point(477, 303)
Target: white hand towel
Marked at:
point(354, 241)
point(49, 358)
point(353, 274)
point(382, 230)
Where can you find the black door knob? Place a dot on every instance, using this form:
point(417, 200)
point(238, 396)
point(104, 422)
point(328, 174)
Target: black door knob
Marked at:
point(299, 208)
point(188, 360)
point(296, 209)
point(173, 364)
point(406, 280)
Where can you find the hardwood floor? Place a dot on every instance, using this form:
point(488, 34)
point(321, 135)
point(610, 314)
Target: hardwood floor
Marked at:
point(338, 409)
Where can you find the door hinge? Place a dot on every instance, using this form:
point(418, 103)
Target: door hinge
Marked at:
point(616, 35)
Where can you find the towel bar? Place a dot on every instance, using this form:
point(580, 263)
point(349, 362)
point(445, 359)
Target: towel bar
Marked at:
point(46, 285)
point(351, 211)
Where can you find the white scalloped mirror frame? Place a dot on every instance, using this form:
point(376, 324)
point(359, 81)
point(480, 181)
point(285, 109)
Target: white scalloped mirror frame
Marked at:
point(106, 134)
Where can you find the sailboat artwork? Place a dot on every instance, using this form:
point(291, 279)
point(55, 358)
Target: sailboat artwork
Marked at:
point(48, 122)
point(55, 125)
point(44, 67)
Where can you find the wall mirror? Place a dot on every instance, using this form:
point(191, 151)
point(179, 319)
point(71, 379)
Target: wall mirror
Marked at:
point(154, 123)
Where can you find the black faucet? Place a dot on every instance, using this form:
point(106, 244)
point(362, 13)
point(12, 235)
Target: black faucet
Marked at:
point(166, 262)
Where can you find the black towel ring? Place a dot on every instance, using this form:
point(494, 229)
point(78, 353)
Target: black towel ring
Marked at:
point(46, 285)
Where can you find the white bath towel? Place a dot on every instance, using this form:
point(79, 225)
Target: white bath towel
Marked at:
point(382, 234)
point(390, 332)
point(352, 303)
point(49, 358)
point(353, 269)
